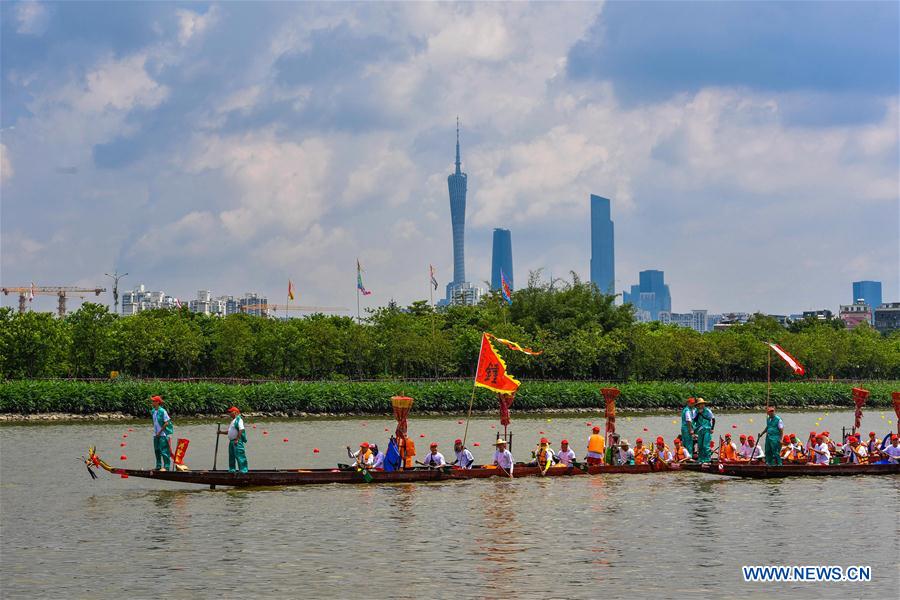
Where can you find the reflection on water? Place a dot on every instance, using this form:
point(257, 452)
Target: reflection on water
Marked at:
point(660, 535)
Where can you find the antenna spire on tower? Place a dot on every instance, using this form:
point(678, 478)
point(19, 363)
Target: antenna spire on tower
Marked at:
point(458, 170)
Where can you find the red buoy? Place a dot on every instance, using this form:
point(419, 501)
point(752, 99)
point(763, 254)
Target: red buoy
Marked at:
point(122, 445)
point(476, 444)
point(254, 426)
point(315, 450)
point(285, 439)
point(421, 435)
point(123, 457)
point(460, 422)
point(588, 423)
point(130, 429)
point(124, 435)
point(265, 433)
point(645, 429)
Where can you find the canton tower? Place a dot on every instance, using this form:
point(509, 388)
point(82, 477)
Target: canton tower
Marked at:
point(456, 184)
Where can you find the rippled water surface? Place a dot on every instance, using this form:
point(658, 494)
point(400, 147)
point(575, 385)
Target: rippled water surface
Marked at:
point(617, 536)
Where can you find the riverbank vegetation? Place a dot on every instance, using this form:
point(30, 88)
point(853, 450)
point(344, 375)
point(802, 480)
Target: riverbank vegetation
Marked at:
point(582, 333)
point(132, 397)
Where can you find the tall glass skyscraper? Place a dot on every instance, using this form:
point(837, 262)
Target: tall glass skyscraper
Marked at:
point(867, 291)
point(603, 260)
point(502, 258)
point(650, 297)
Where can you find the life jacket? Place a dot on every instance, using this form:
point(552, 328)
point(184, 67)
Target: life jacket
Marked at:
point(640, 457)
point(680, 453)
point(363, 458)
point(727, 452)
point(542, 456)
point(409, 453)
point(596, 443)
point(658, 455)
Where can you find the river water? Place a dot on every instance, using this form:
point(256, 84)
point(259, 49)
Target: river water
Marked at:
point(617, 536)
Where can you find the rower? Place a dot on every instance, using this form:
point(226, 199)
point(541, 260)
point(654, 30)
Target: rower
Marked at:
point(793, 451)
point(872, 445)
point(434, 459)
point(566, 455)
point(237, 437)
point(377, 457)
point(464, 458)
point(821, 454)
point(756, 452)
point(728, 451)
point(892, 452)
point(745, 450)
point(688, 414)
point(799, 454)
point(362, 458)
point(811, 445)
point(162, 429)
point(774, 429)
point(661, 452)
point(626, 454)
point(704, 424)
point(832, 446)
point(503, 459)
point(595, 448)
point(641, 452)
point(543, 457)
point(680, 454)
point(854, 452)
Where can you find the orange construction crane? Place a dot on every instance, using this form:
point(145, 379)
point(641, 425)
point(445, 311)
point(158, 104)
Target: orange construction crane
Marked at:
point(265, 309)
point(26, 292)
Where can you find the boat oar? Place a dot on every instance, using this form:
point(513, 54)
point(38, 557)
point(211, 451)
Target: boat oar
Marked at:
point(758, 438)
point(212, 486)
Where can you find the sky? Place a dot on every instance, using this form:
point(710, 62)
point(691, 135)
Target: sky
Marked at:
point(750, 150)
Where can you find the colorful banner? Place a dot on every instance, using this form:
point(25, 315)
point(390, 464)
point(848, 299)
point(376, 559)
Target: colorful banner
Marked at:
point(180, 451)
point(290, 289)
point(514, 346)
point(433, 278)
point(609, 396)
point(505, 290)
point(491, 373)
point(506, 401)
point(792, 362)
point(401, 406)
point(359, 283)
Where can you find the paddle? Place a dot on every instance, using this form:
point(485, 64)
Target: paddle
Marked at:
point(212, 486)
point(753, 452)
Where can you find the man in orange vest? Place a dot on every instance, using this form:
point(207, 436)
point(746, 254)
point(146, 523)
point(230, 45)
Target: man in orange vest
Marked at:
point(595, 448)
point(727, 452)
point(661, 452)
point(641, 452)
point(681, 453)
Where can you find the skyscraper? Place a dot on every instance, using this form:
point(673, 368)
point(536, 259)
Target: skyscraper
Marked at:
point(459, 291)
point(650, 297)
point(502, 258)
point(867, 291)
point(603, 262)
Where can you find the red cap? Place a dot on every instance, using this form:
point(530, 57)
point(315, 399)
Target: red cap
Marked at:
point(793, 436)
point(893, 436)
point(820, 437)
point(678, 440)
point(660, 440)
point(596, 429)
point(564, 443)
point(812, 434)
point(639, 441)
point(156, 399)
point(728, 435)
point(750, 438)
point(826, 433)
point(743, 437)
point(691, 400)
point(434, 444)
point(458, 441)
point(785, 440)
point(770, 409)
point(871, 434)
point(545, 441)
point(234, 409)
point(364, 445)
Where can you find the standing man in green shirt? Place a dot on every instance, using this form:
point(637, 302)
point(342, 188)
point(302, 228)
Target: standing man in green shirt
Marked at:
point(237, 437)
point(162, 429)
point(688, 415)
point(774, 429)
point(704, 424)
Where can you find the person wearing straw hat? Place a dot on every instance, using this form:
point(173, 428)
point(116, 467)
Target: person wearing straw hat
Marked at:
point(626, 454)
point(503, 458)
point(237, 437)
point(162, 429)
point(704, 424)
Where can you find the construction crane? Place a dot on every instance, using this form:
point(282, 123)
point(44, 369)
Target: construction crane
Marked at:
point(49, 290)
point(265, 309)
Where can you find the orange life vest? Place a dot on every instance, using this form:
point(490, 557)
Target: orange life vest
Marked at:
point(680, 453)
point(596, 443)
point(727, 452)
point(409, 453)
point(640, 458)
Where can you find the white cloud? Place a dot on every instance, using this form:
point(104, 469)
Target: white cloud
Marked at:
point(6, 168)
point(32, 17)
point(191, 24)
point(116, 84)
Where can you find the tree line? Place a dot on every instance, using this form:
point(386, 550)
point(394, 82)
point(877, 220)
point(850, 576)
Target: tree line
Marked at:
point(583, 334)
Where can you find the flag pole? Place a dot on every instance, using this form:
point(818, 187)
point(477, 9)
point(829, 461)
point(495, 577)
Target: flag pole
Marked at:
point(431, 296)
point(768, 377)
point(472, 398)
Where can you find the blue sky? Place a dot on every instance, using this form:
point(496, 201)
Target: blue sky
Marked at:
point(750, 150)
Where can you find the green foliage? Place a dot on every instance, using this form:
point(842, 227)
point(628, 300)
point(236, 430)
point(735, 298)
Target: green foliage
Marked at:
point(132, 397)
point(582, 334)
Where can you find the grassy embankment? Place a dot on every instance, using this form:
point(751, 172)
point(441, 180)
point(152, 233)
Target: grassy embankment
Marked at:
point(131, 397)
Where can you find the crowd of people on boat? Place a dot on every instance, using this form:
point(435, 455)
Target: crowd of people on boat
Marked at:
point(695, 443)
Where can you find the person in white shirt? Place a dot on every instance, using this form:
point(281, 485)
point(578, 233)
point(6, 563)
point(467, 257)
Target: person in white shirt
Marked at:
point(543, 456)
point(503, 459)
point(661, 452)
point(854, 452)
point(892, 452)
point(377, 457)
point(464, 458)
point(363, 458)
point(745, 450)
point(434, 459)
point(821, 452)
point(626, 454)
point(756, 451)
point(566, 455)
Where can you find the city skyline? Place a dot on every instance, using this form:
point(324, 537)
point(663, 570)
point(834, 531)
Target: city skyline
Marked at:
point(237, 162)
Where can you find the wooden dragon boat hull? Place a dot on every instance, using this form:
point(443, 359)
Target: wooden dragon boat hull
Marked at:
point(284, 477)
point(762, 471)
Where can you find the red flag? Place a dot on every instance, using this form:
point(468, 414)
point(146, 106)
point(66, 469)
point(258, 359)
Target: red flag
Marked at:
point(491, 373)
point(859, 398)
point(180, 451)
point(792, 362)
point(506, 401)
point(610, 395)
